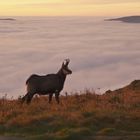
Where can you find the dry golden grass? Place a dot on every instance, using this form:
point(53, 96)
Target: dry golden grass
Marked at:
point(85, 114)
point(72, 108)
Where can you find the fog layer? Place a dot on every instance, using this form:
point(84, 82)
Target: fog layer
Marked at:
point(103, 54)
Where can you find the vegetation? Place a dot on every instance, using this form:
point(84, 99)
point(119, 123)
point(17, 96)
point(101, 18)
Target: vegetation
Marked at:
point(79, 116)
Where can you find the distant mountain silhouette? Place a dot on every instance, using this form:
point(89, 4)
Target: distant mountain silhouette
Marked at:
point(7, 19)
point(128, 19)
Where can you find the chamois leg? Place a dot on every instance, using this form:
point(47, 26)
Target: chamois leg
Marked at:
point(57, 97)
point(23, 99)
point(50, 97)
point(29, 98)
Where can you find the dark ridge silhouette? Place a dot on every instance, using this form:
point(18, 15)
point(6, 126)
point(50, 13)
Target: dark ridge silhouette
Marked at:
point(10, 19)
point(128, 19)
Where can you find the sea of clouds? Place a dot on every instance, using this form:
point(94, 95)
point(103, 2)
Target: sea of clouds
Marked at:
point(104, 54)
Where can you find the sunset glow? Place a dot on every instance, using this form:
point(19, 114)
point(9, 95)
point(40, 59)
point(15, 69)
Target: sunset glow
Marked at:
point(69, 7)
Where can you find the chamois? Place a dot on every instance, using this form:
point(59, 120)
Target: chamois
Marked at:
point(48, 84)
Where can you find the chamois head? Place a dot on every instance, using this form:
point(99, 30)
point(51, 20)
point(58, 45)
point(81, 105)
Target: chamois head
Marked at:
point(65, 68)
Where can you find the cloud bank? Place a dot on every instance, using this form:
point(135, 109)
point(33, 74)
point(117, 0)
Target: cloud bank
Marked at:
point(103, 54)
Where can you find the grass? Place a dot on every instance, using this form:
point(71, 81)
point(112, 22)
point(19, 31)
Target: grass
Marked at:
point(76, 117)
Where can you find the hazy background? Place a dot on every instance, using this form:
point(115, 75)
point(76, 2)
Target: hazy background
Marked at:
point(103, 54)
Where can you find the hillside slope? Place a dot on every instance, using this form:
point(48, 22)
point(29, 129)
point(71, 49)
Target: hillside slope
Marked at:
point(130, 94)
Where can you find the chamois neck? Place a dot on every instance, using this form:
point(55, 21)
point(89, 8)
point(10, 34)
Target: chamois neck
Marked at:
point(61, 74)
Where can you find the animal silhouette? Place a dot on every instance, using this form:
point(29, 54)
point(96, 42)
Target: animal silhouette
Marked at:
point(48, 84)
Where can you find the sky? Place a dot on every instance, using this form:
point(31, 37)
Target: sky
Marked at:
point(69, 7)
